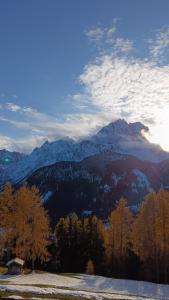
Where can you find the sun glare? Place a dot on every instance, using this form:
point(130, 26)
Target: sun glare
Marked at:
point(161, 137)
point(159, 133)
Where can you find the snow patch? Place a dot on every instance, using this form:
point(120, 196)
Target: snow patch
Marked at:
point(116, 178)
point(47, 195)
point(142, 180)
point(85, 286)
point(106, 188)
point(87, 212)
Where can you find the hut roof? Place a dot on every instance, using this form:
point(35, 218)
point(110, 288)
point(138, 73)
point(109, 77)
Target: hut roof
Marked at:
point(15, 260)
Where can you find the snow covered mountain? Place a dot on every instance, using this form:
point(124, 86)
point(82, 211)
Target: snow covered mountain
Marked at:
point(118, 136)
point(8, 158)
point(89, 176)
point(128, 138)
point(8, 161)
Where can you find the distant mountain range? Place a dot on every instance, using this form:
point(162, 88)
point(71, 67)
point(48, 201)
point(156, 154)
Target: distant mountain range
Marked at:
point(89, 176)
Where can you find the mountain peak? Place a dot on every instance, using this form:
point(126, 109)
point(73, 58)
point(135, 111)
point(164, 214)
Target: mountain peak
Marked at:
point(121, 127)
point(119, 136)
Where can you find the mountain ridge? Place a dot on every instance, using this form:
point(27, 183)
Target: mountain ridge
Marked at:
point(119, 136)
point(95, 184)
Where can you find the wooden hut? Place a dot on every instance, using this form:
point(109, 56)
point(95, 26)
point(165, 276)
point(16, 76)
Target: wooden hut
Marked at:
point(15, 266)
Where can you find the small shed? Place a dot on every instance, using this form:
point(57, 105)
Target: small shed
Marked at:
point(15, 266)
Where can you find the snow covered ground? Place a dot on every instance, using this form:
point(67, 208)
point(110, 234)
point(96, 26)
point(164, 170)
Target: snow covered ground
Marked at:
point(84, 286)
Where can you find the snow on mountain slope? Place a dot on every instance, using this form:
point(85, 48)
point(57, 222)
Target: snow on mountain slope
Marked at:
point(128, 138)
point(8, 158)
point(96, 183)
point(119, 137)
point(84, 286)
point(142, 181)
point(8, 161)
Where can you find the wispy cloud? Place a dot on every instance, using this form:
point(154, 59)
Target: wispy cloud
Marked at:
point(130, 88)
point(98, 33)
point(17, 108)
point(123, 45)
point(20, 144)
point(133, 88)
point(159, 45)
point(107, 40)
point(113, 85)
point(95, 34)
point(12, 107)
point(41, 127)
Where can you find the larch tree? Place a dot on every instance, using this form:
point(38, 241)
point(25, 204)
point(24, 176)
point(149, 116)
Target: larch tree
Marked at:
point(117, 237)
point(90, 267)
point(32, 230)
point(7, 208)
point(144, 235)
point(162, 231)
point(150, 235)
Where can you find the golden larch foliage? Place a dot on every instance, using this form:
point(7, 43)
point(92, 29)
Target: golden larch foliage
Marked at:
point(117, 237)
point(90, 267)
point(150, 234)
point(24, 223)
point(31, 225)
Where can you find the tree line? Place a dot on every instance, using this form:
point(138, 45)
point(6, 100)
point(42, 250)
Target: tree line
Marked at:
point(127, 246)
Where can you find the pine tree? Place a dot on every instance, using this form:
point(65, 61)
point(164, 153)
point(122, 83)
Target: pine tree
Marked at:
point(78, 240)
point(68, 233)
point(96, 242)
point(61, 232)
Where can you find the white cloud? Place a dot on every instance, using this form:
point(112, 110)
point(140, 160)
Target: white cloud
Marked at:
point(40, 126)
point(128, 88)
point(107, 41)
point(12, 107)
point(114, 85)
point(159, 45)
point(123, 45)
point(98, 34)
point(48, 128)
point(15, 108)
point(95, 34)
point(112, 29)
point(20, 144)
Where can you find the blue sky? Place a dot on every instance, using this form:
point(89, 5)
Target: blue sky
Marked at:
point(69, 67)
